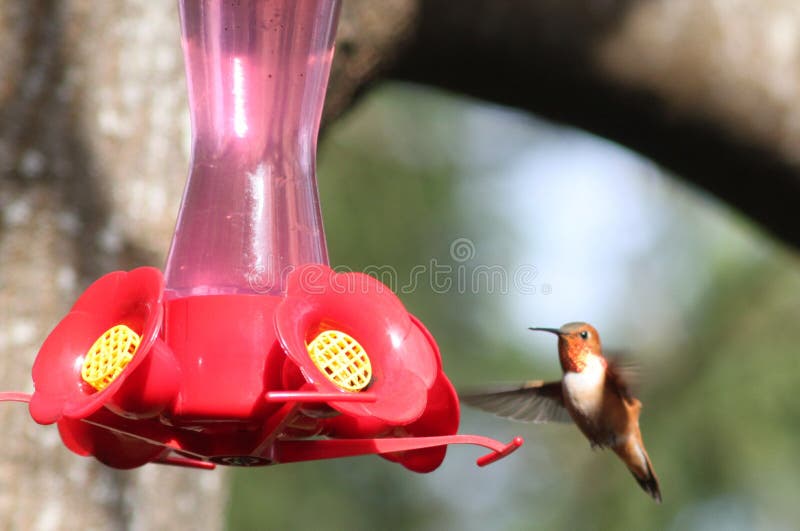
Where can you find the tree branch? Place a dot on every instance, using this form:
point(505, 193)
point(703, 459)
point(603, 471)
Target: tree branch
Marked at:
point(654, 75)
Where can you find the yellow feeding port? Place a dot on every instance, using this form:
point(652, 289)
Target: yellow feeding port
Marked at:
point(341, 359)
point(109, 356)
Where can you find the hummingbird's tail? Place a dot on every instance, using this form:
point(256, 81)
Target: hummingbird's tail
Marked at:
point(634, 455)
point(648, 481)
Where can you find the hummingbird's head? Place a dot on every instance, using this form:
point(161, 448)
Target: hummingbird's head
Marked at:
point(576, 342)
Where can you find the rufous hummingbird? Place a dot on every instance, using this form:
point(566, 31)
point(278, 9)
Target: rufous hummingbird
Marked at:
point(594, 393)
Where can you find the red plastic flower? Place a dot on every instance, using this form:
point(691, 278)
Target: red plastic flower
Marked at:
point(405, 364)
point(441, 417)
point(132, 299)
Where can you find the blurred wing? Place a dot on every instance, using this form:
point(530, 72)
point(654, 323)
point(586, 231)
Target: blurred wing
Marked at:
point(533, 401)
point(622, 375)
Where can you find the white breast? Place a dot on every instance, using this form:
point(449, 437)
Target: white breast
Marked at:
point(584, 390)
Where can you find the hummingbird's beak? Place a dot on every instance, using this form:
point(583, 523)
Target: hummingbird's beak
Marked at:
point(555, 331)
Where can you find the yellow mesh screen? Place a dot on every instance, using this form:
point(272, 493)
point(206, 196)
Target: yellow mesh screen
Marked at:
point(109, 356)
point(341, 359)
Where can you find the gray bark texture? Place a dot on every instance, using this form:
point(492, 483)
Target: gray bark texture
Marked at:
point(94, 136)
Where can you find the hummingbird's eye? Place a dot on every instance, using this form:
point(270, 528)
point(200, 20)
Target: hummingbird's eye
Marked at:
point(584, 335)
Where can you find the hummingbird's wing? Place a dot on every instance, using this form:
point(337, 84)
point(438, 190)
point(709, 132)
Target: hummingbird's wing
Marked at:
point(622, 376)
point(533, 401)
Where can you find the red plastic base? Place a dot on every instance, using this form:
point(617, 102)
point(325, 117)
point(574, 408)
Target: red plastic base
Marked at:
point(227, 379)
point(182, 450)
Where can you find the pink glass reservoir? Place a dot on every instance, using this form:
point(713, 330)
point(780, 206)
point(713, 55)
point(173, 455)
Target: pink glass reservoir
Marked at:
point(257, 73)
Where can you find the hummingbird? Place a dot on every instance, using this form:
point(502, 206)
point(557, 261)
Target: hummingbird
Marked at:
point(594, 393)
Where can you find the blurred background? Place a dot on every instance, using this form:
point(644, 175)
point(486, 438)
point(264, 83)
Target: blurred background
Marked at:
point(701, 299)
point(681, 247)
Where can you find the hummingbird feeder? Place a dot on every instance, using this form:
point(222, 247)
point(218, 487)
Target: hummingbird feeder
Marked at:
point(249, 350)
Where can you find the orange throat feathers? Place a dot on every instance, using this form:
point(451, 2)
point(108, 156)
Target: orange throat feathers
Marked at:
point(573, 357)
